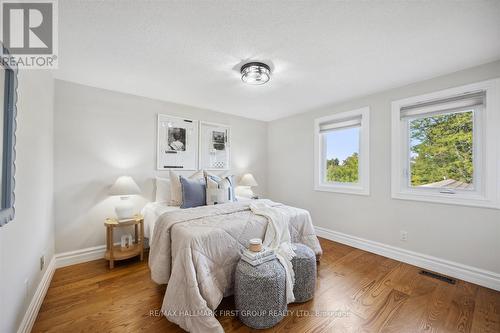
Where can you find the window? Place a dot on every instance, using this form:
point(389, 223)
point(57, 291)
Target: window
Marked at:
point(342, 152)
point(442, 149)
point(444, 146)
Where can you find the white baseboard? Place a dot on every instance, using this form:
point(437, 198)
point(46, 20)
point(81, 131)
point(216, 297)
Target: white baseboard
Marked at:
point(36, 302)
point(454, 269)
point(79, 256)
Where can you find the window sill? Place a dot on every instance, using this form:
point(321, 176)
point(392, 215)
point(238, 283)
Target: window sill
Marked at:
point(449, 199)
point(358, 190)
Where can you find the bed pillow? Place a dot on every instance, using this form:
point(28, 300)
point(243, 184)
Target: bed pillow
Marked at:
point(193, 192)
point(219, 190)
point(162, 190)
point(176, 189)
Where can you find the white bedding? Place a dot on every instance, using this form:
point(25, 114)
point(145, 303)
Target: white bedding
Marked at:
point(151, 212)
point(196, 250)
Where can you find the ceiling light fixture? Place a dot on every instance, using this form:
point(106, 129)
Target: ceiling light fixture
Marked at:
point(255, 73)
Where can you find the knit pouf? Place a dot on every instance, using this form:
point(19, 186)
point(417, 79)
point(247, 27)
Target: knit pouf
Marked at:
point(260, 293)
point(304, 267)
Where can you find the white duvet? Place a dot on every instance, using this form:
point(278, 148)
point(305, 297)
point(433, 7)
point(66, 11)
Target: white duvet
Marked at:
point(196, 251)
point(152, 212)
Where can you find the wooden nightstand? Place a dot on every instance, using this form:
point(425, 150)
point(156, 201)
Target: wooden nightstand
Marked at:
point(115, 252)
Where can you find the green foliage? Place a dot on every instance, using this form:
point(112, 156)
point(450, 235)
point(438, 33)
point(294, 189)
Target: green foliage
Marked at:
point(345, 172)
point(442, 148)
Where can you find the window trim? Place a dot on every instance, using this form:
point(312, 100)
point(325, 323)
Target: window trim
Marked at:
point(362, 187)
point(486, 150)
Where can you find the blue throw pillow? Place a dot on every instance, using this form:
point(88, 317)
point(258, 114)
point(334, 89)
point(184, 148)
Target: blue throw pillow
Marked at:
point(194, 192)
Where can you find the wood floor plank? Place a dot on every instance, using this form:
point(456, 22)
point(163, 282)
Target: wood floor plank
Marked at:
point(462, 307)
point(356, 291)
point(487, 312)
point(437, 308)
point(374, 290)
point(409, 316)
point(385, 312)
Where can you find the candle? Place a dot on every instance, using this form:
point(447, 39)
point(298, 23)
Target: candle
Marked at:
point(255, 245)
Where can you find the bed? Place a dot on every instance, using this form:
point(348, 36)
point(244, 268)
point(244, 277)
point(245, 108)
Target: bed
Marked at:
point(152, 212)
point(195, 251)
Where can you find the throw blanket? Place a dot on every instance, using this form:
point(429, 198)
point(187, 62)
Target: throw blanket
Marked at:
point(196, 250)
point(278, 238)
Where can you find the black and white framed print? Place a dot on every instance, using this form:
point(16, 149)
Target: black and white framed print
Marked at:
point(177, 146)
point(176, 138)
point(214, 146)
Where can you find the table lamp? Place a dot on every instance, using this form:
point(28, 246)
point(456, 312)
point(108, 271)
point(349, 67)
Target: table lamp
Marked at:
point(246, 183)
point(124, 186)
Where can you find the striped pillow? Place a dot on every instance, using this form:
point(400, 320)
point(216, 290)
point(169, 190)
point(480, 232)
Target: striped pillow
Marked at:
point(220, 190)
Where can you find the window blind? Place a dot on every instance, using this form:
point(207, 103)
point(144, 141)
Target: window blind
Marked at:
point(340, 124)
point(446, 105)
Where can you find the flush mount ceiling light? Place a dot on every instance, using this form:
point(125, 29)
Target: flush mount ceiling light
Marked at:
point(255, 73)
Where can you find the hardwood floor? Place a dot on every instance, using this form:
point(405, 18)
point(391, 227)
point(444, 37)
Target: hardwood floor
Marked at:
point(357, 291)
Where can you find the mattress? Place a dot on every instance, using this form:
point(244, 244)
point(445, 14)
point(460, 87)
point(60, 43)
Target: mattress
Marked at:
point(151, 212)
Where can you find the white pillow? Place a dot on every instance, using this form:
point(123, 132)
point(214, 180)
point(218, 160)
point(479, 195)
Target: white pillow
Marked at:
point(216, 196)
point(163, 190)
point(219, 190)
point(176, 188)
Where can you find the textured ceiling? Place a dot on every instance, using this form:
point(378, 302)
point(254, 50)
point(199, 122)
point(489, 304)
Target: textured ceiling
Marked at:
point(321, 52)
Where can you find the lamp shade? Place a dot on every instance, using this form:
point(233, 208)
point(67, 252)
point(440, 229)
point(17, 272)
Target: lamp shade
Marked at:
point(124, 185)
point(248, 180)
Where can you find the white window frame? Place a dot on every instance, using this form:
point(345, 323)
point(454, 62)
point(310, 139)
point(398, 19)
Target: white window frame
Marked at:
point(362, 187)
point(486, 151)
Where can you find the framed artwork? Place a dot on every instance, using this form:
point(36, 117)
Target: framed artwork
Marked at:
point(215, 146)
point(177, 146)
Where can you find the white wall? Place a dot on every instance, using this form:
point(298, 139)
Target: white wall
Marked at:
point(31, 233)
point(462, 234)
point(100, 135)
